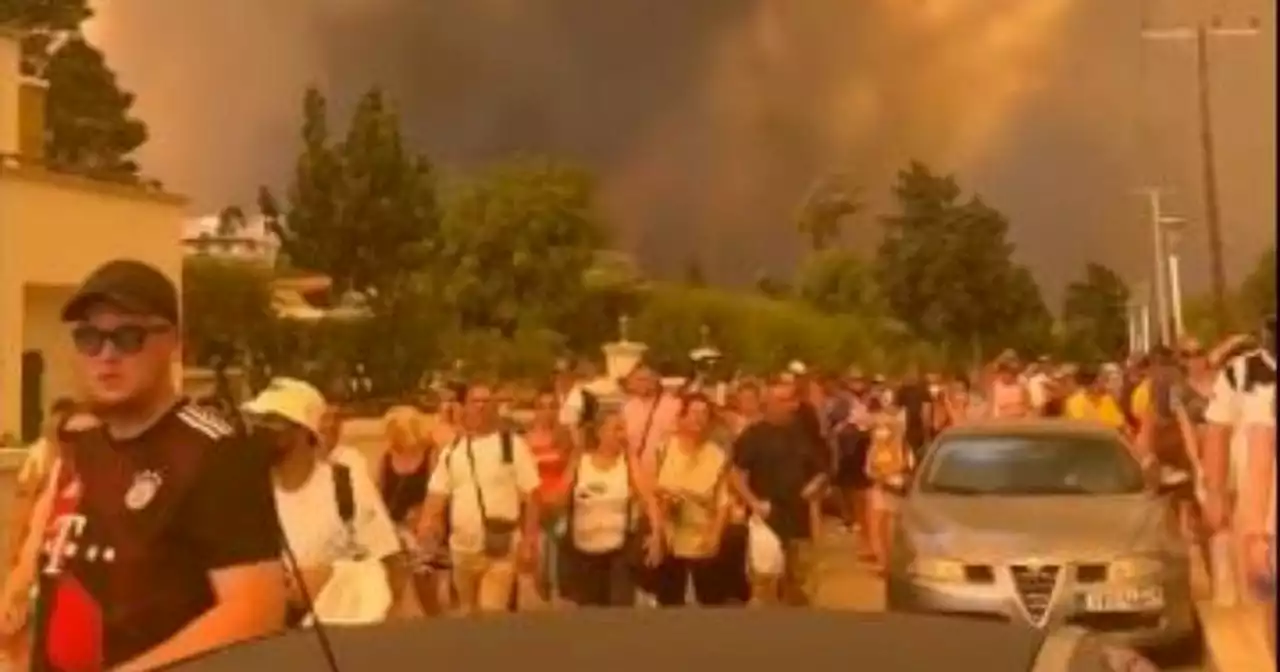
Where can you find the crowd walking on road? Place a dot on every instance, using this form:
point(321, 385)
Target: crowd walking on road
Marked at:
point(150, 527)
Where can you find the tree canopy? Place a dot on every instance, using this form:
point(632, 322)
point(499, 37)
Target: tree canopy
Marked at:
point(89, 125)
point(824, 208)
point(946, 270)
point(1095, 314)
point(519, 238)
point(361, 210)
point(839, 281)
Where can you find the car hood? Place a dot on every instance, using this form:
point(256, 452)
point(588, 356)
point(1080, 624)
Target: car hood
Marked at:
point(997, 529)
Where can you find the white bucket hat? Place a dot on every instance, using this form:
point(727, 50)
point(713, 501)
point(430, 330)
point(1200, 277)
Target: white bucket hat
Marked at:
point(294, 400)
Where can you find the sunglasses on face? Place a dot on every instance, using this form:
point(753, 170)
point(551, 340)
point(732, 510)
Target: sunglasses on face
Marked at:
point(1192, 354)
point(127, 339)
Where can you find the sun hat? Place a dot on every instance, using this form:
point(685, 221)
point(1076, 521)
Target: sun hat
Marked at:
point(294, 400)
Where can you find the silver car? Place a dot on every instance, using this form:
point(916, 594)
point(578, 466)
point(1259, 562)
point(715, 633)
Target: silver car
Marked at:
point(1045, 522)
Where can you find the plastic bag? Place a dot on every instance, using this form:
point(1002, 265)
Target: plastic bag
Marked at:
point(358, 592)
point(764, 549)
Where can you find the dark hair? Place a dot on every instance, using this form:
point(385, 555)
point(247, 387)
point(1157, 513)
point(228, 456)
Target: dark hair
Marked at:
point(688, 399)
point(459, 390)
point(1087, 375)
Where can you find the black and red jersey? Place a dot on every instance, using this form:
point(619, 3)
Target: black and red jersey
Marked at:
point(137, 526)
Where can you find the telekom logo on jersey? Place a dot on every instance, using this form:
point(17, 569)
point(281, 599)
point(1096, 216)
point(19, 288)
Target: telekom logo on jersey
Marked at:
point(64, 534)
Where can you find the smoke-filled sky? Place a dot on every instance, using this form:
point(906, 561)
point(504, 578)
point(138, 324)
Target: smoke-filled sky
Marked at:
point(709, 119)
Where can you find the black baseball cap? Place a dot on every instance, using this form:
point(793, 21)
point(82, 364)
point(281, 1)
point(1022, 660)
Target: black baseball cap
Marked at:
point(129, 284)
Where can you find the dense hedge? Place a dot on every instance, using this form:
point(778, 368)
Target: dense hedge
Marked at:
point(759, 334)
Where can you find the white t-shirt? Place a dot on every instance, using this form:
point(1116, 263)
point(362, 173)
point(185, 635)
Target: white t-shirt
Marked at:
point(1234, 405)
point(1037, 386)
point(503, 485)
point(601, 506)
point(571, 407)
point(316, 533)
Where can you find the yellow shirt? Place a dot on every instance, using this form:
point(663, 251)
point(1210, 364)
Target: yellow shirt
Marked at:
point(1140, 399)
point(696, 479)
point(1081, 406)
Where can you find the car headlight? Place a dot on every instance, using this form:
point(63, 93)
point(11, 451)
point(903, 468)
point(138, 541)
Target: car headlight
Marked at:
point(937, 570)
point(1126, 569)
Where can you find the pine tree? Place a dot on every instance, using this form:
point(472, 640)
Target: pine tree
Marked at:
point(89, 126)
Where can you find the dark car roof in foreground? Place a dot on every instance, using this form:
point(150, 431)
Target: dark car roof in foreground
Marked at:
point(814, 640)
point(1031, 427)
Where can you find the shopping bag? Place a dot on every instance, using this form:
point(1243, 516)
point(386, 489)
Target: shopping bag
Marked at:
point(357, 593)
point(764, 549)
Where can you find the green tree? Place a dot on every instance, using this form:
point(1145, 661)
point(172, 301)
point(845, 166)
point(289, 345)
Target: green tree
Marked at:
point(839, 281)
point(1258, 291)
point(945, 268)
point(361, 210)
point(226, 309)
point(1095, 314)
point(89, 127)
point(824, 208)
point(520, 238)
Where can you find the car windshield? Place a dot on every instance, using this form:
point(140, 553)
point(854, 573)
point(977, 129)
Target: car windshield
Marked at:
point(1031, 465)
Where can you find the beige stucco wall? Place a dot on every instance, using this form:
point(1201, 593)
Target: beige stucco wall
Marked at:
point(54, 229)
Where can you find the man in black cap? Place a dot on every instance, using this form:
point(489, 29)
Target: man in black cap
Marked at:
point(161, 538)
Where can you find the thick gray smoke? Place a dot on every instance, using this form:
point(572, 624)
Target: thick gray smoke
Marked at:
point(708, 120)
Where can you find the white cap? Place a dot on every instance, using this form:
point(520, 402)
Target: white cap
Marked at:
point(294, 400)
point(797, 367)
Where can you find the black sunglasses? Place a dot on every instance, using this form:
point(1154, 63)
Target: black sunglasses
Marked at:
point(127, 339)
point(1192, 354)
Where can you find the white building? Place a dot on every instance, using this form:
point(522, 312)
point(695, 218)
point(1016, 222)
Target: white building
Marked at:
point(247, 238)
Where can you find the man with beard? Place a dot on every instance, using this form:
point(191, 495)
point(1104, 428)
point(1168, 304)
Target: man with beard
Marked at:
point(172, 488)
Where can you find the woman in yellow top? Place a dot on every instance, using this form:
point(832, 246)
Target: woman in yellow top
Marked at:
point(1093, 403)
point(692, 489)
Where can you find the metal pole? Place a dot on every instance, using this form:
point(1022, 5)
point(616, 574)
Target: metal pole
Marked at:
point(1145, 325)
point(1213, 221)
point(1175, 294)
point(1161, 312)
point(1200, 35)
point(1131, 321)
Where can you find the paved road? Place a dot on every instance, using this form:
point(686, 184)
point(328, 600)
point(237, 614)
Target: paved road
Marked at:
point(848, 584)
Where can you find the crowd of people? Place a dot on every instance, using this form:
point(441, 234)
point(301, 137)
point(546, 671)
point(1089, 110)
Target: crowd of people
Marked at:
point(150, 528)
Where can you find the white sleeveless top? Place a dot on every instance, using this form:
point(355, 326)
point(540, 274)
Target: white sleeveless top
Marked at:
point(601, 506)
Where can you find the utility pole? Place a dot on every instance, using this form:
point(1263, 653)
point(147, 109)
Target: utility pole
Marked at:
point(1172, 228)
point(1158, 258)
point(1200, 34)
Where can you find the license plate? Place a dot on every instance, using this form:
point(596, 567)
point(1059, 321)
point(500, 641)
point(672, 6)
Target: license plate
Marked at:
point(1127, 599)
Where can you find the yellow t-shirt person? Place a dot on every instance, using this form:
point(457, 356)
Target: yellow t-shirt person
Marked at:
point(1103, 409)
point(1140, 399)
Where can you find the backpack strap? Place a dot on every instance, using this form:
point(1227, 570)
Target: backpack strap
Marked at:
point(508, 449)
point(344, 493)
